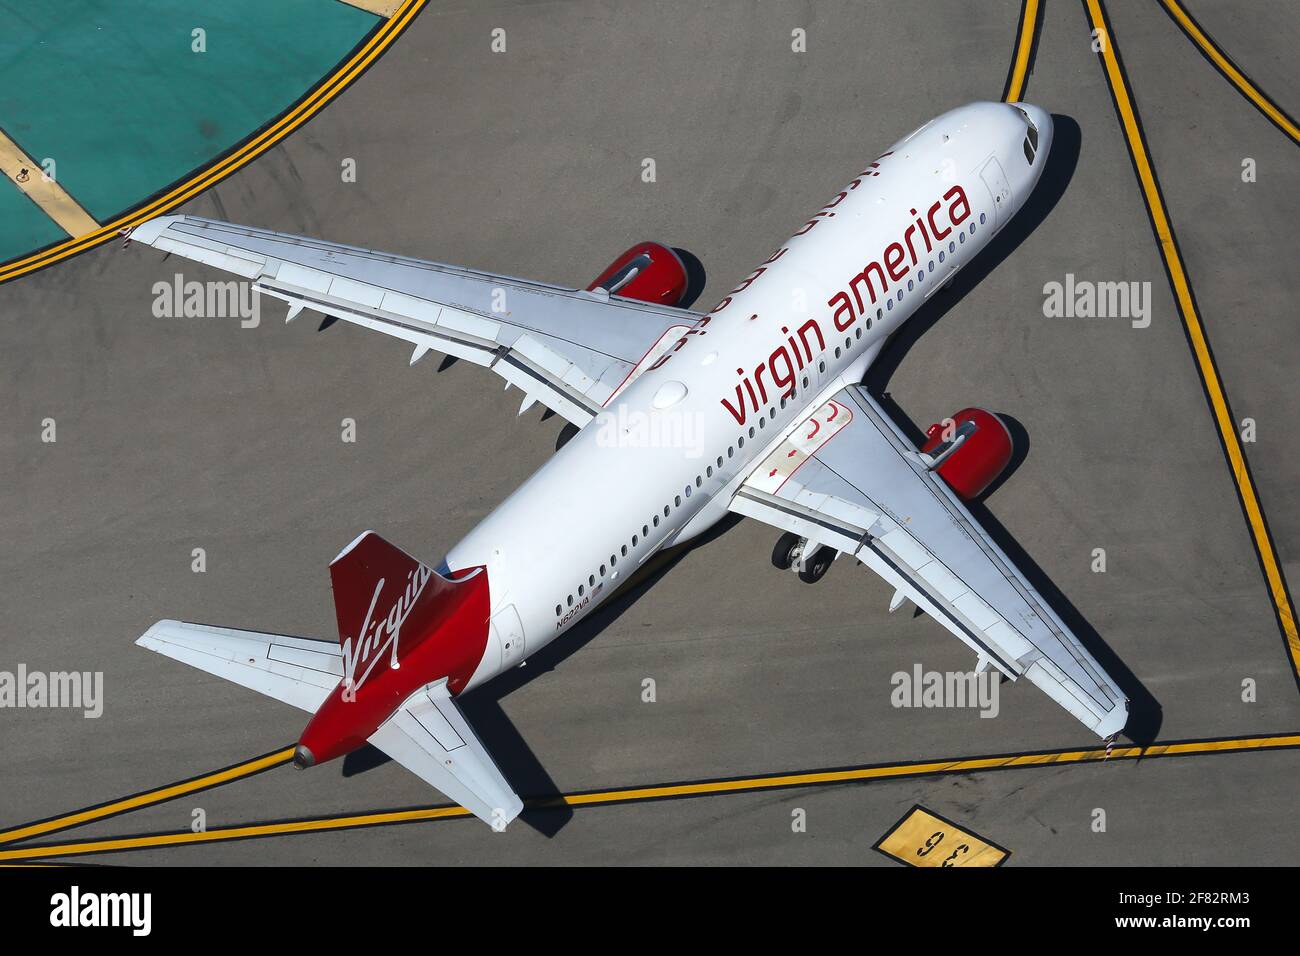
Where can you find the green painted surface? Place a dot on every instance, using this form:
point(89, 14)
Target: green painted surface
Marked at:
point(23, 227)
point(114, 92)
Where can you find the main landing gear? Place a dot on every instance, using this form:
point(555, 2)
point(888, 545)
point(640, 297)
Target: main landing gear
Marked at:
point(789, 553)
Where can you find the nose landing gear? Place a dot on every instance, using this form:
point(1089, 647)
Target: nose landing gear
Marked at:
point(789, 553)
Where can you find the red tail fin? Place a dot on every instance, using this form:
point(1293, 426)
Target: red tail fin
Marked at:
point(382, 597)
point(402, 625)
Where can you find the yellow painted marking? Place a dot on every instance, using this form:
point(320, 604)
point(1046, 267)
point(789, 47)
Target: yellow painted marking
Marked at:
point(1234, 75)
point(923, 839)
point(316, 825)
point(1024, 44)
point(1196, 335)
point(382, 8)
point(637, 794)
point(335, 84)
point(28, 175)
point(148, 798)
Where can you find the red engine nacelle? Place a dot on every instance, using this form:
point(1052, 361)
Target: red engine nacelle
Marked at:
point(983, 450)
point(649, 272)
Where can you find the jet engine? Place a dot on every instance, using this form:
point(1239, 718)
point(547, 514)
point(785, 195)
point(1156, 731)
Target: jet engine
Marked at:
point(969, 450)
point(649, 272)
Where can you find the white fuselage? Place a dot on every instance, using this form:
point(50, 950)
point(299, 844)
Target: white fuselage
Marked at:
point(663, 460)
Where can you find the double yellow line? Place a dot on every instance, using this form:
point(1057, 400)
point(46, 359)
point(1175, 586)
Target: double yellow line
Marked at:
point(1196, 336)
point(597, 798)
point(148, 797)
point(309, 106)
point(1021, 60)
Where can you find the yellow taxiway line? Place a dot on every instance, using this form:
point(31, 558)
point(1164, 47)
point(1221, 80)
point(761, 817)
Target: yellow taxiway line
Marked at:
point(329, 88)
point(55, 201)
point(1230, 71)
point(1196, 336)
point(149, 797)
point(1025, 33)
point(657, 792)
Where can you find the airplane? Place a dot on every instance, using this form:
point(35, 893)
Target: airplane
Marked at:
point(755, 408)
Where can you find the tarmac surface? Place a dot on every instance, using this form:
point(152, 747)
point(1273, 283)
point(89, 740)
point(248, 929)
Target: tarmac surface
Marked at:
point(175, 434)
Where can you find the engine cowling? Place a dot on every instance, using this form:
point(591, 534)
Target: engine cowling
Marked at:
point(649, 272)
point(973, 447)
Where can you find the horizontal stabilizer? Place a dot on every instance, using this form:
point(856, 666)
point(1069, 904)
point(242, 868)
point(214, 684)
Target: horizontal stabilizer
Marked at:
point(429, 736)
point(291, 669)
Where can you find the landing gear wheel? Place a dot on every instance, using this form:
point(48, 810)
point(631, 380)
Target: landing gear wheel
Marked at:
point(817, 566)
point(785, 552)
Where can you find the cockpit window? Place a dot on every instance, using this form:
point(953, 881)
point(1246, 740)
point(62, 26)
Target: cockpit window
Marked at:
point(1031, 137)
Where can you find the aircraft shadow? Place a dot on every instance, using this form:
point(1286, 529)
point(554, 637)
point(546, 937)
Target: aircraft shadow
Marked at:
point(545, 812)
point(696, 278)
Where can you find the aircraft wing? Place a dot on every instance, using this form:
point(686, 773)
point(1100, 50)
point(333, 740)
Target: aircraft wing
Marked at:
point(851, 480)
point(430, 737)
point(570, 350)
